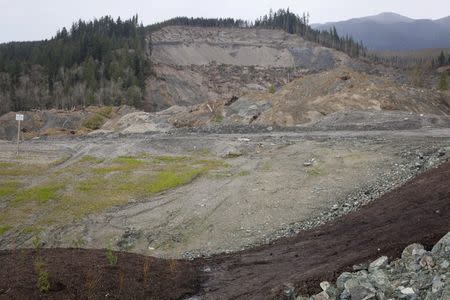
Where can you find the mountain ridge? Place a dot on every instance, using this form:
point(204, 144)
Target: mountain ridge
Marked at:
point(391, 31)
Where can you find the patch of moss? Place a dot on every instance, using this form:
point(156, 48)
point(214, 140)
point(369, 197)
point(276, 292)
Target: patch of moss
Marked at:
point(316, 171)
point(171, 179)
point(90, 159)
point(8, 188)
point(29, 230)
point(40, 194)
point(99, 187)
point(4, 229)
point(243, 173)
point(128, 160)
point(170, 159)
point(19, 169)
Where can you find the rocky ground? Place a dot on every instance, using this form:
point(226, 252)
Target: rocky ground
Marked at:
point(418, 274)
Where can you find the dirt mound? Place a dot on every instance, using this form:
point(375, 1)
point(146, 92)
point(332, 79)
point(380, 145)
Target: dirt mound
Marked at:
point(88, 274)
point(312, 97)
point(419, 212)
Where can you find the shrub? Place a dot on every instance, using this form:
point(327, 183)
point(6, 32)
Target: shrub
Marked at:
point(272, 89)
point(112, 258)
point(43, 282)
point(94, 122)
point(443, 82)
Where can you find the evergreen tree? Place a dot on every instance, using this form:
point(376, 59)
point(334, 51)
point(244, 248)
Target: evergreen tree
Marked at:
point(443, 81)
point(441, 59)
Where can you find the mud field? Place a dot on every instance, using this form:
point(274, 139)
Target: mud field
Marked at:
point(419, 211)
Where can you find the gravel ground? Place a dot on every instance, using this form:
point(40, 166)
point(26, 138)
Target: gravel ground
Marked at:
point(277, 184)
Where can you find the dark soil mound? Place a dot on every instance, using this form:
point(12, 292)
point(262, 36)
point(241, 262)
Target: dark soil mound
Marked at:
point(87, 274)
point(418, 212)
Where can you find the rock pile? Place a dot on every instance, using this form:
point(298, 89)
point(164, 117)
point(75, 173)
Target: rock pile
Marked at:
point(418, 274)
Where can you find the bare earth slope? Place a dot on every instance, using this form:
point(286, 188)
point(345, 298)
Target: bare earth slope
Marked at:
point(194, 64)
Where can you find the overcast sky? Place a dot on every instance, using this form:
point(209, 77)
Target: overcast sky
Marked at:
point(22, 20)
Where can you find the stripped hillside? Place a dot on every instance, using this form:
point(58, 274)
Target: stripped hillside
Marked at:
point(194, 65)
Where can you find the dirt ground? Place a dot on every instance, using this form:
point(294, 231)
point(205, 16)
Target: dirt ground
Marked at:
point(267, 186)
point(419, 212)
point(88, 274)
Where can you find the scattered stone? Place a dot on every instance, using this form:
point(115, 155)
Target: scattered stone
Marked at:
point(378, 264)
point(419, 274)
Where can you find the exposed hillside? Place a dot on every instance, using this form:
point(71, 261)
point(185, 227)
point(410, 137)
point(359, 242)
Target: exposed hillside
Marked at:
point(389, 31)
point(314, 96)
point(194, 64)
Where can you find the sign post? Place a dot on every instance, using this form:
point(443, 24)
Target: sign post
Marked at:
point(19, 118)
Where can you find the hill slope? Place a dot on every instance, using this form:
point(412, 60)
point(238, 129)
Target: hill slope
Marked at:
point(389, 31)
point(194, 65)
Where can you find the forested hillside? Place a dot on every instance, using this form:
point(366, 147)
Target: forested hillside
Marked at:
point(101, 62)
point(106, 61)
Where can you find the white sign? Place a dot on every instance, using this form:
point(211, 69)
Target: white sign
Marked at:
point(19, 117)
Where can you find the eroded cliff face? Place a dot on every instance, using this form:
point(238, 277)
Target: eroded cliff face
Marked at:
point(194, 65)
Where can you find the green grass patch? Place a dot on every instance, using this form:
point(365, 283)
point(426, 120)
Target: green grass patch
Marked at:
point(90, 159)
point(128, 160)
point(41, 194)
point(316, 171)
point(18, 169)
point(170, 159)
point(92, 185)
point(8, 188)
point(243, 173)
point(4, 229)
point(29, 230)
point(171, 179)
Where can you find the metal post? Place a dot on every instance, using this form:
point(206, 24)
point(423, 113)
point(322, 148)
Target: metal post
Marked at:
point(18, 137)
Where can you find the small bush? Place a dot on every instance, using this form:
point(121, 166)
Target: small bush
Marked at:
point(94, 122)
point(272, 89)
point(43, 282)
point(105, 111)
point(112, 258)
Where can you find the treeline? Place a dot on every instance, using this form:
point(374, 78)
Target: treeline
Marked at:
point(101, 62)
point(409, 60)
point(441, 60)
point(295, 24)
point(201, 22)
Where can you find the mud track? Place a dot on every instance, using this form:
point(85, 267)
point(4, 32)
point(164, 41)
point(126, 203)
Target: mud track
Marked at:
point(419, 211)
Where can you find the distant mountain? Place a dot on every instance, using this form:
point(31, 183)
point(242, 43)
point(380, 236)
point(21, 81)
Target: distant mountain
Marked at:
point(390, 31)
